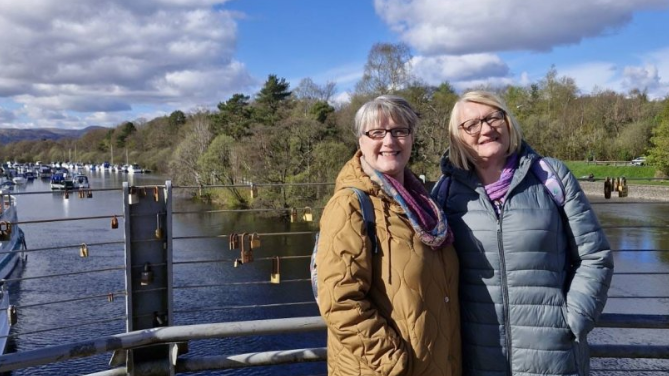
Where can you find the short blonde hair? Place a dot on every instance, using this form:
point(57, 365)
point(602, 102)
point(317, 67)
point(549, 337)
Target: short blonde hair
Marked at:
point(461, 155)
point(385, 107)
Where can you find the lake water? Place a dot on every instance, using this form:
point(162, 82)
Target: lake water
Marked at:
point(204, 291)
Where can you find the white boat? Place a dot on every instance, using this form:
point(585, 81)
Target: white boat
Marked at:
point(135, 169)
point(59, 181)
point(80, 181)
point(12, 242)
point(19, 180)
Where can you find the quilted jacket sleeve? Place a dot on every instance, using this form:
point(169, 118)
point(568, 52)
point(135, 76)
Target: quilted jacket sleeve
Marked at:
point(344, 277)
point(590, 256)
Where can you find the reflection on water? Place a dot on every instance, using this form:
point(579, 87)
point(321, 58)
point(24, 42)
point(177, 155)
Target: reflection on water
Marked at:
point(213, 290)
point(633, 292)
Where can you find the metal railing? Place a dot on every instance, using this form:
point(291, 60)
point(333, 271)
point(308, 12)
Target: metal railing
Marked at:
point(146, 330)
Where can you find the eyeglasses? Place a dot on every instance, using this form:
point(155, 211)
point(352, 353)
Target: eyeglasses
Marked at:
point(379, 134)
point(473, 126)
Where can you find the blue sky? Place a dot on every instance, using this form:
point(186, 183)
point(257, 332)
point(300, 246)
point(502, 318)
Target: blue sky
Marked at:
point(97, 62)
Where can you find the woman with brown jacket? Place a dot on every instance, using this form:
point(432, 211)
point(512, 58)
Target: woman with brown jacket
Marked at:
point(394, 311)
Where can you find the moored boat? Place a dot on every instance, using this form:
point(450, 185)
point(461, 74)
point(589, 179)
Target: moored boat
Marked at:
point(60, 182)
point(80, 181)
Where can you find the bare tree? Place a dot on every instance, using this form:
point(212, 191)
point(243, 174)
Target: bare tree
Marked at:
point(387, 69)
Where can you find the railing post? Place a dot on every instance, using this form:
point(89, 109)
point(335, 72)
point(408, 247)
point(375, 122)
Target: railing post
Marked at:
point(148, 259)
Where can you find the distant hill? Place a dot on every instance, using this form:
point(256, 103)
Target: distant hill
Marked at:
point(9, 135)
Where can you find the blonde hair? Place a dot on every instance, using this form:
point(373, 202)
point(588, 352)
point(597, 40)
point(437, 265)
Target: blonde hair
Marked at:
point(460, 154)
point(384, 107)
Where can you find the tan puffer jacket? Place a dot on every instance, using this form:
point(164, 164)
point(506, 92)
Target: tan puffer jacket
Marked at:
point(391, 313)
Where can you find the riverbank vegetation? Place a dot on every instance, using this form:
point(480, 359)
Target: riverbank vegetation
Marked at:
point(282, 135)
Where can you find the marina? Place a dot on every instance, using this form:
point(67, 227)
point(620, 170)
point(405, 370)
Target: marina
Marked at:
point(73, 287)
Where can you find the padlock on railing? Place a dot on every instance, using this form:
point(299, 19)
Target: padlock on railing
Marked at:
point(254, 191)
point(83, 250)
point(12, 317)
point(275, 275)
point(255, 240)
point(159, 227)
point(308, 215)
point(246, 250)
point(233, 241)
point(133, 196)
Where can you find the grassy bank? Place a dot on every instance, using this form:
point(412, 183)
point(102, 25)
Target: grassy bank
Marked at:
point(633, 174)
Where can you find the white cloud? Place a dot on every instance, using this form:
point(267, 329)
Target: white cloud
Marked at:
point(437, 69)
point(593, 75)
point(464, 26)
point(100, 56)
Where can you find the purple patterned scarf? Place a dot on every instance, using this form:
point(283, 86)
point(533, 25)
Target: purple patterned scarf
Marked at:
point(425, 216)
point(497, 190)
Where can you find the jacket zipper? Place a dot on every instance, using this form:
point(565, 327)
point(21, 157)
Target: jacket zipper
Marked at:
point(505, 287)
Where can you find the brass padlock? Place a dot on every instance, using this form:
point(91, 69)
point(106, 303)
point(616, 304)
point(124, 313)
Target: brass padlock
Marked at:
point(254, 191)
point(255, 240)
point(159, 228)
point(246, 250)
point(133, 196)
point(275, 276)
point(308, 215)
point(147, 275)
point(83, 250)
point(114, 222)
point(233, 242)
point(11, 315)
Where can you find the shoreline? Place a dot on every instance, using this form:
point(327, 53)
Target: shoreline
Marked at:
point(595, 192)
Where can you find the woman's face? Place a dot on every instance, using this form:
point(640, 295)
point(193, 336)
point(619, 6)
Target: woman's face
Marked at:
point(488, 139)
point(387, 154)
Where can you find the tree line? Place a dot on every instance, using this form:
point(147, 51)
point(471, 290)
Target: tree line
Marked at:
point(283, 136)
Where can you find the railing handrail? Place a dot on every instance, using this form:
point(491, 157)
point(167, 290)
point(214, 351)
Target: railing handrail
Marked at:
point(161, 335)
point(185, 333)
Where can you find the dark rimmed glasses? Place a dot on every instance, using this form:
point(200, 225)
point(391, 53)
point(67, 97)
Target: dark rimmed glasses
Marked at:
point(379, 134)
point(493, 119)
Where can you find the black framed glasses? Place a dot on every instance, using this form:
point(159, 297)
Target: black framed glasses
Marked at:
point(379, 134)
point(493, 119)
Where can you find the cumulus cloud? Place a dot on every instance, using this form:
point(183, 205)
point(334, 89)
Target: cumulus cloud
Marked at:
point(593, 75)
point(643, 78)
point(102, 56)
point(464, 26)
point(436, 69)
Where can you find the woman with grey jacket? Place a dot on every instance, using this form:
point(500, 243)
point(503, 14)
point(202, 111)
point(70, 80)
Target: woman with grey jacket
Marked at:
point(534, 273)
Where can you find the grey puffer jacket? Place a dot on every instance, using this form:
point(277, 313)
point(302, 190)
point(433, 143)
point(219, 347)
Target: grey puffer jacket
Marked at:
point(532, 284)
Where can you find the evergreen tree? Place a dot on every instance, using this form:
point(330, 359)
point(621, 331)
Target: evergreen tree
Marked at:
point(270, 98)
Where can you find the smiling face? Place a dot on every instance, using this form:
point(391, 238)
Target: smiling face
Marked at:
point(491, 144)
point(388, 155)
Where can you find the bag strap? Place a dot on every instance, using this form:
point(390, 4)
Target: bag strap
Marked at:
point(549, 178)
point(367, 216)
